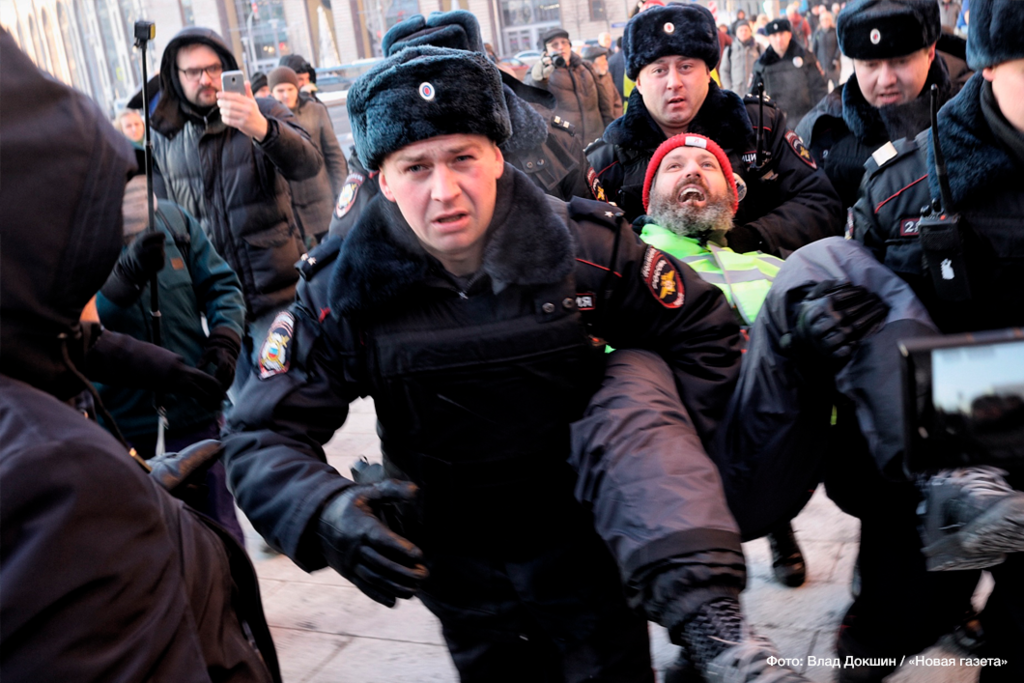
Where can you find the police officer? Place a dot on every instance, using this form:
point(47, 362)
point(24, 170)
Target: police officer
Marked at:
point(670, 52)
point(543, 146)
point(980, 133)
point(466, 303)
point(790, 71)
point(893, 47)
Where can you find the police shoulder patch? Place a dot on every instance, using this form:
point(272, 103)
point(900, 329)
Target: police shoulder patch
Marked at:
point(800, 149)
point(275, 354)
point(662, 279)
point(348, 193)
point(595, 185)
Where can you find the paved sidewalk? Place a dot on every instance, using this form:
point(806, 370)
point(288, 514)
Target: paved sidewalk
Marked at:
point(326, 630)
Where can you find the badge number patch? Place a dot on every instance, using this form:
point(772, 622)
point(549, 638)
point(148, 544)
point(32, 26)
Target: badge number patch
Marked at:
point(348, 194)
point(800, 149)
point(275, 353)
point(662, 279)
point(910, 227)
point(585, 301)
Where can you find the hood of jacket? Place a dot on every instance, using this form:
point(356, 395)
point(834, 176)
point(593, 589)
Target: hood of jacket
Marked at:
point(975, 158)
point(722, 117)
point(58, 249)
point(871, 124)
point(527, 244)
point(173, 111)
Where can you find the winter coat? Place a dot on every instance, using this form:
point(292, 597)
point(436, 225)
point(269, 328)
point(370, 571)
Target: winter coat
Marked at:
point(825, 46)
point(313, 199)
point(381, 318)
point(984, 162)
point(610, 95)
point(236, 187)
point(843, 130)
point(578, 98)
point(793, 81)
point(789, 202)
point(194, 282)
point(737, 65)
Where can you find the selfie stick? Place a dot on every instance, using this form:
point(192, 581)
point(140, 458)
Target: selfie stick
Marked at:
point(145, 31)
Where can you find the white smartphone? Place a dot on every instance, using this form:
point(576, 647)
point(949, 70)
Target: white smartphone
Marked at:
point(233, 81)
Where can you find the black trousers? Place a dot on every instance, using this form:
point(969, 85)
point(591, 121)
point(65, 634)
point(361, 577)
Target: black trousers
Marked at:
point(557, 616)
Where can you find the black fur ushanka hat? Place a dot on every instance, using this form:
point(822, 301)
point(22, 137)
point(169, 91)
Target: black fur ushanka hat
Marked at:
point(424, 92)
point(884, 29)
point(684, 30)
point(995, 33)
point(458, 30)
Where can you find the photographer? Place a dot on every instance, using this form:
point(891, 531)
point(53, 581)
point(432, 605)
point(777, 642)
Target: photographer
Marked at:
point(571, 80)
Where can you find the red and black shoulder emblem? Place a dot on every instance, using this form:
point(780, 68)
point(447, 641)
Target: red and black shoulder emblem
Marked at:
point(800, 149)
point(348, 194)
point(275, 354)
point(662, 278)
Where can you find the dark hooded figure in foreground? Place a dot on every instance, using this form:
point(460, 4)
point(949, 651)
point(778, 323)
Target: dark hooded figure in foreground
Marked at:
point(105, 575)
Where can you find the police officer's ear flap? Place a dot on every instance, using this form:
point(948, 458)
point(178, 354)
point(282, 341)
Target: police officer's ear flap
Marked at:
point(741, 187)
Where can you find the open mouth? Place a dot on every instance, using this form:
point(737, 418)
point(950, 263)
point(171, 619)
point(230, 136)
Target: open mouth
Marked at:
point(677, 100)
point(691, 193)
point(450, 218)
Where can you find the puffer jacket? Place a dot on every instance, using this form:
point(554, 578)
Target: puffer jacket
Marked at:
point(313, 198)
point(237, 188)
point(577, 96)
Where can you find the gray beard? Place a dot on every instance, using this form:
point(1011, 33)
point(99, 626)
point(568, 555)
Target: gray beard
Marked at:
point(703, 224)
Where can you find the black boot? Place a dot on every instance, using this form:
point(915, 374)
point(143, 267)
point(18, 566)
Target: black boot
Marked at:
point(787, 560)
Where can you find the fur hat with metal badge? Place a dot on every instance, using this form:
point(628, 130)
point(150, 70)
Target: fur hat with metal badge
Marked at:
point(458, 30)
point(778, 26)
point(425, 92)
point(884, 29)
point(995, 33)
point(684, 30)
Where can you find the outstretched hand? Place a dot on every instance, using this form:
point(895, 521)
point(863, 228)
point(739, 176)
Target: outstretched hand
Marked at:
point(241, 112)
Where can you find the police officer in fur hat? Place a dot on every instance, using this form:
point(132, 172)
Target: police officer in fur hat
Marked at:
point(981, 135)
point(544, 146)
point(790, 72)
point(468, 304)
point(670, 52)
point(895, 47)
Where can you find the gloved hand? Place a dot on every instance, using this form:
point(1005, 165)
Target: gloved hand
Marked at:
point(833, 316)
point(358, 546)
point(136, 267)
point(176, 472)
point(119, 360)
point(542, 68)
point(221, 351)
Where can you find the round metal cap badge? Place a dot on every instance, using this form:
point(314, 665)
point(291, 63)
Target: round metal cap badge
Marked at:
point(798, 61)
point(670, 27)
point(876, 36)
point(427, 91)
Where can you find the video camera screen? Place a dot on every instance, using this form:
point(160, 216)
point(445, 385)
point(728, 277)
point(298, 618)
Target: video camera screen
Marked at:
point(964, 401)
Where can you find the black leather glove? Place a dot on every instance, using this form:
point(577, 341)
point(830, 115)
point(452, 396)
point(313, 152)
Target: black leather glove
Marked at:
point(221, 351)
point(361, 548)
point(183, 474)
point(744, 239)
point(833, 316)
point(119, 360)
point(136, 267)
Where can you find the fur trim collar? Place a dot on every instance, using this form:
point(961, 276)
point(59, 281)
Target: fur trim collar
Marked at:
point(974, 158)
point(873, 125)
point(528, 244)
point(722, 117)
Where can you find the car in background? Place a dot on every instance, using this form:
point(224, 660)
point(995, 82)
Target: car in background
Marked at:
point(514, 66)
point(528, 57)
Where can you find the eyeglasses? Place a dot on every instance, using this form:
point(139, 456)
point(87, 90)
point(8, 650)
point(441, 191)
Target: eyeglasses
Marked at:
point(192, 75)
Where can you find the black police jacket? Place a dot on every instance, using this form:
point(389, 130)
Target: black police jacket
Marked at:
point(843, 130)
point(475, 382)
point(793, 80)
point(789, 202)
point(543, 146)
point(984, 178)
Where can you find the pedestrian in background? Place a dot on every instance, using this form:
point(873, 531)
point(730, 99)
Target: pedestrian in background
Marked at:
point(313, 198)
point(800, 27)
point(598, 59)
point(738, 59)
point(565, 75)
point(825, 46)
point(791, 74)
point(129, 122)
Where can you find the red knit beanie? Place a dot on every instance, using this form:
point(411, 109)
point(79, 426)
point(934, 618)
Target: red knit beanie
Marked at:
point(690, 140)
